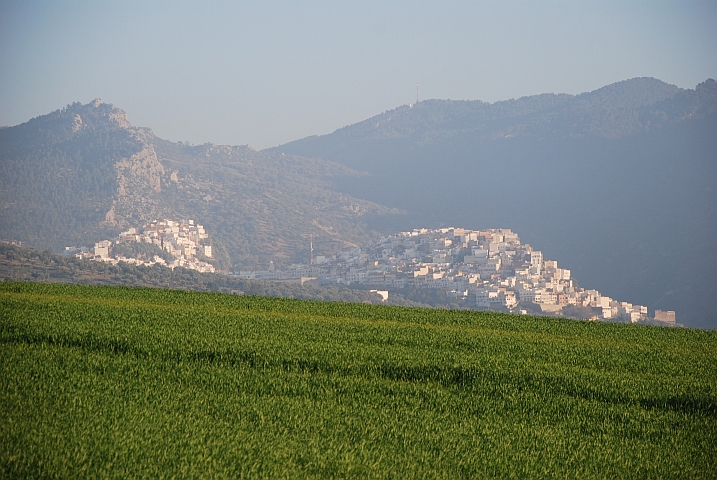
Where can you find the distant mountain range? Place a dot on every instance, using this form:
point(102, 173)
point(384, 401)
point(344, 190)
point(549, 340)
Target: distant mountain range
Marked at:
point(617, 184)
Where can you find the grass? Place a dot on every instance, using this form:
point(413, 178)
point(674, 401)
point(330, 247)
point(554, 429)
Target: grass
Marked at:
point(126, 382)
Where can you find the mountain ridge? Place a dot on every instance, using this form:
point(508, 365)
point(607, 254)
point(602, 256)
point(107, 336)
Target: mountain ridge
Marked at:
point(578, 175)
point(472, 114)
point(609, 182)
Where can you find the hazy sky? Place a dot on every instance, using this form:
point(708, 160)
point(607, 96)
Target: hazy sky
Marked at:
point(265, 73)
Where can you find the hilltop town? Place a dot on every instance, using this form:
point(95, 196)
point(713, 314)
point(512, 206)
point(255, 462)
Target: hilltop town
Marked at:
point(167, 242)
point(484, 269)
point(479, 269)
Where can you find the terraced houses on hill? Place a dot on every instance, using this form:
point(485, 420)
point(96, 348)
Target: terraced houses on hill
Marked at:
point(185, 242)
point(487, 269)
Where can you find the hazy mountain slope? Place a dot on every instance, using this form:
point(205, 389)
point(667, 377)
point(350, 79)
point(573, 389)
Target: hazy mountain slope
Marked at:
point(265, 204)
point(612, 111)
point(616, 184)
point(84, 173)
point(57, 174)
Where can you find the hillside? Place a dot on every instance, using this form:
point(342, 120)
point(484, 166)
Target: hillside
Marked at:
point(617, 110)
point(19, 264)
point(126, 382)
point(618, 184)
point(84, 173)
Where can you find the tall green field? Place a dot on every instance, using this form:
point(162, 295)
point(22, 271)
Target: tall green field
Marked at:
point(131, 382)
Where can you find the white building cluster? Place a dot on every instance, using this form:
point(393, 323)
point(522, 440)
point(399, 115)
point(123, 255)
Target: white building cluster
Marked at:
point(487, 269)
point(183, 239)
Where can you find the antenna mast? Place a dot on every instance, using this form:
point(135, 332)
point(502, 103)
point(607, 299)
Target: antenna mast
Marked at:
point(418, 99)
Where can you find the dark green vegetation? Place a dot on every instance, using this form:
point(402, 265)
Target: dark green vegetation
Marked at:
point(120, 382)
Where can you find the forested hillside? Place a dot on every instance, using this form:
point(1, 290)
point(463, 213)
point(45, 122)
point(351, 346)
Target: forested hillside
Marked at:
point(57, 175)
point(618, 184)
point(84, 173)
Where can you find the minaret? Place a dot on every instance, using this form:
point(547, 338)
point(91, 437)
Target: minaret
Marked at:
point(311, 246)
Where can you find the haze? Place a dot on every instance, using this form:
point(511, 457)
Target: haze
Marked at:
point(264, 74)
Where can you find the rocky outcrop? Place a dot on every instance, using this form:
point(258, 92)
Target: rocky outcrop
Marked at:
point(77, 123)
point(139, 176)
point(142, 170)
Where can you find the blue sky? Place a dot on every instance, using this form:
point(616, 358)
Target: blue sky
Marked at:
point(264, 73)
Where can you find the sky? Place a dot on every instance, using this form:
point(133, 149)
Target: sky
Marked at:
point(266, 73)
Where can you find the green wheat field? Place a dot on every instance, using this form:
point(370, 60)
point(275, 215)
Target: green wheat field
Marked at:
point(133, 382)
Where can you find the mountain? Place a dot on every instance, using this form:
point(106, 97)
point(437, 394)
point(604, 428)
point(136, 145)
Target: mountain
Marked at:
point(84, 173)
point(618, 183)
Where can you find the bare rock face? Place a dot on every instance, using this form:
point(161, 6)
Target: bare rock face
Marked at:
point(110, 218)
point(119, 117)
point(77, 124)
point(139, 188)
point(140, 171)
point(139, 176)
